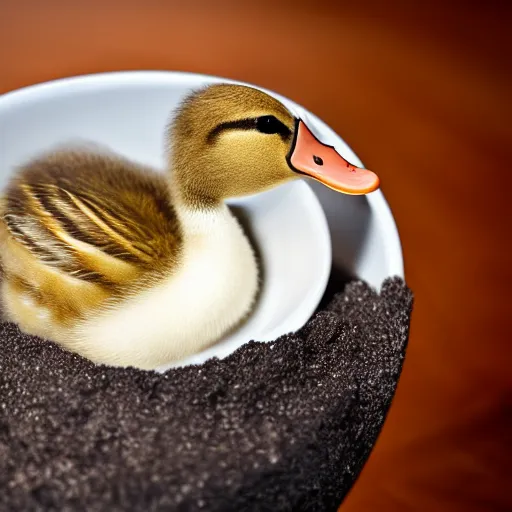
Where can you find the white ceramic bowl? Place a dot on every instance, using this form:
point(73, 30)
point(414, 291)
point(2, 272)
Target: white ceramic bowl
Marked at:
point(127, 112)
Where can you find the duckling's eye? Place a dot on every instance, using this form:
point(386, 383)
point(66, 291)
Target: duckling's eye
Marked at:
point(270, 125)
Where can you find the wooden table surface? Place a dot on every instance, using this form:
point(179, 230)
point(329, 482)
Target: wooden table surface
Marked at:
point(422, 94)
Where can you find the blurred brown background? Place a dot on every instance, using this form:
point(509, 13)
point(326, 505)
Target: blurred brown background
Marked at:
point(422, 94)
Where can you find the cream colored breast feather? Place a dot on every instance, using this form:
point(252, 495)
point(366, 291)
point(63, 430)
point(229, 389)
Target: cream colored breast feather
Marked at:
point(130, 267)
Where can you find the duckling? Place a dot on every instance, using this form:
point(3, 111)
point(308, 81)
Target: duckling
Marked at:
point(105, 257)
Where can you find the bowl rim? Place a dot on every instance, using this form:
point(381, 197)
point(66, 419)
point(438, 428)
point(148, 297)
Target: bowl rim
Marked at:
point(376, 199)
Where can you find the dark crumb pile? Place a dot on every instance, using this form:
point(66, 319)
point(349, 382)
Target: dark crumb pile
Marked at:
point(280, 426)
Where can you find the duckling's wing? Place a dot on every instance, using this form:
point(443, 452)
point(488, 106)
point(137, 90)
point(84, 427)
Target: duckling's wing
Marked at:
point(95, 217)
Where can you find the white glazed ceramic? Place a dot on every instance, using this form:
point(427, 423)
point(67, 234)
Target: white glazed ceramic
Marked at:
point(128, 111)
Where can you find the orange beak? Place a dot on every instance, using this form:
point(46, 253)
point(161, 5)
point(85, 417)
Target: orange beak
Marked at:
point(311, 157)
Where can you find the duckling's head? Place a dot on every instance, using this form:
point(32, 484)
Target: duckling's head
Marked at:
point(231, 140)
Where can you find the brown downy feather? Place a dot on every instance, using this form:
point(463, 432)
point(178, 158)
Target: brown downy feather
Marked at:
point(80, 229)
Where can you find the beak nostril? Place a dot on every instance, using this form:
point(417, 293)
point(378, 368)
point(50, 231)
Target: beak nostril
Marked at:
point(318, 160)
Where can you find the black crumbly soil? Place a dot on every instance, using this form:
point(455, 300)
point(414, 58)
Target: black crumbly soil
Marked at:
point(282, 426)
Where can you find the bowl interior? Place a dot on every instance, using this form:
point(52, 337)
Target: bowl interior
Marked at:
point(128, 113)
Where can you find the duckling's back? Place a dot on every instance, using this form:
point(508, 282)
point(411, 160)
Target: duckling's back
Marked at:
point(79, 231)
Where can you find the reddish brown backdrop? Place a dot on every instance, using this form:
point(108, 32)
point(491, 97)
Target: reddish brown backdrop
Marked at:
point(423, 96)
